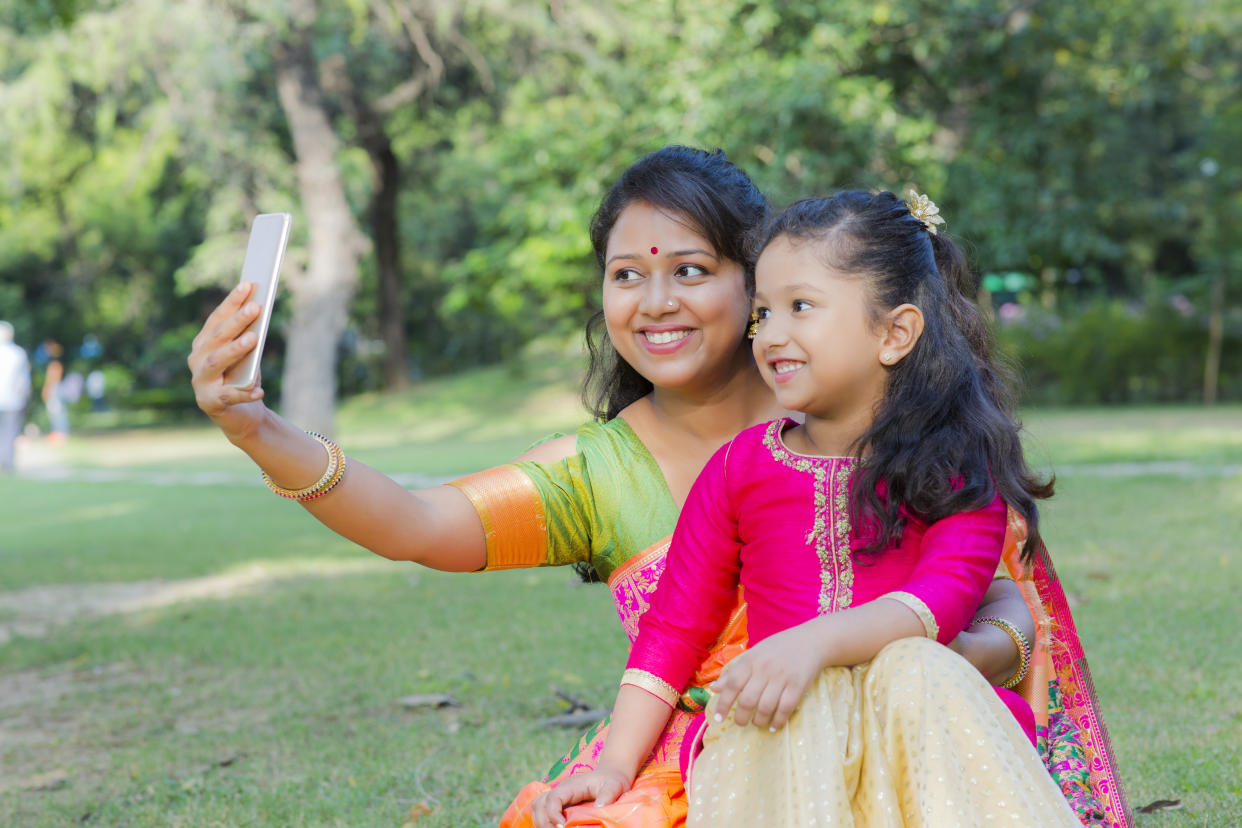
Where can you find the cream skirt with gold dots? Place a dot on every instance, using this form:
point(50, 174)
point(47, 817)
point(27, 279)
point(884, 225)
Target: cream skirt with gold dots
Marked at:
point(914, 737)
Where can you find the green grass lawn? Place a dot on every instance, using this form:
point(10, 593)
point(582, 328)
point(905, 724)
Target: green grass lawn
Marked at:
point(258, 684)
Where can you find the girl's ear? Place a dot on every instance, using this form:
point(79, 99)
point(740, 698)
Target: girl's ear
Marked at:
point(902, 327)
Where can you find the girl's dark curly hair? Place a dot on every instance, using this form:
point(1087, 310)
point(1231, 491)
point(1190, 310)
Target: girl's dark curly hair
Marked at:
point(944, 439)
point(715, 197)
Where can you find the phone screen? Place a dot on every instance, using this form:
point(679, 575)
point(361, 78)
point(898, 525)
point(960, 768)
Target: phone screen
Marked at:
point(268, 236)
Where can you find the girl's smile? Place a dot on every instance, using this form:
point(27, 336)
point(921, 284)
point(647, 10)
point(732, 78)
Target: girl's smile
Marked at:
point(783, 370)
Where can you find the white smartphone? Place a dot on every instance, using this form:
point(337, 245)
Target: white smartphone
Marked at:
point(268, 236)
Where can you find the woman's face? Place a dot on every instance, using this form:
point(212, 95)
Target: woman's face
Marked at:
point(674, 309)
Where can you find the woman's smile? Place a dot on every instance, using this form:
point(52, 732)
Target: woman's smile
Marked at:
point(664, 339)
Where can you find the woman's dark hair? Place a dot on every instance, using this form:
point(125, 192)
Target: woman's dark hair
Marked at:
point(714, 197)
point(944, 439)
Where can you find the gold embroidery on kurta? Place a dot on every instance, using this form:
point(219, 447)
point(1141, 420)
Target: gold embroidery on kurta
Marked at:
point(830, 530)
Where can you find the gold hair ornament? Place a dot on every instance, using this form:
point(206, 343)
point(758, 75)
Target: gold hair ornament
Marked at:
point(925, 210)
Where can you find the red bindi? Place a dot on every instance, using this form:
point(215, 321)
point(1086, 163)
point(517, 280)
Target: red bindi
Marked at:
point(655, 250)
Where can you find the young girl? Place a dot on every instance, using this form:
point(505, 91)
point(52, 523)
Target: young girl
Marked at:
point(856, 537)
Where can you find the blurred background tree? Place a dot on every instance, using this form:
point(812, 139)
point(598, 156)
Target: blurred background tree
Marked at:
point(442, 160)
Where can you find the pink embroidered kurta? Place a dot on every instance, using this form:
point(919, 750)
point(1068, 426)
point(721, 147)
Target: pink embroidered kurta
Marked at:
point(778, 523)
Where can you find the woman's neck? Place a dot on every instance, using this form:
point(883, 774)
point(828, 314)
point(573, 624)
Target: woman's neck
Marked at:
point(716, 414)
point(682, 429)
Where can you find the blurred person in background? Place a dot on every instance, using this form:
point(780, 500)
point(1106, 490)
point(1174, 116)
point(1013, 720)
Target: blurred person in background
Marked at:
point(96, 387)
point(14, 393)
point(57, 413)
point(96, 383)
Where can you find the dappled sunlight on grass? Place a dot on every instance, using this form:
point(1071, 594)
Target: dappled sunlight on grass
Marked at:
point(209, 652)
point(1110, 435)
point(81, 532)
point(100, 511)
point(35, 610)
point(530, 397)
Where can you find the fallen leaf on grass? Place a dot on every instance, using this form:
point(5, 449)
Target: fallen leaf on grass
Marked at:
point(428, 700)
point(1099, 576)
point(422, 809)
point(1161, 805)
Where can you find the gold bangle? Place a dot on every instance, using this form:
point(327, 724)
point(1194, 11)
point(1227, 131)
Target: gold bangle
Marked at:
point(1024, 649)
point(331, 475)
point(331, 484)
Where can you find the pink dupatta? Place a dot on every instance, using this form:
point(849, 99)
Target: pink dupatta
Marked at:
point(1070, 731)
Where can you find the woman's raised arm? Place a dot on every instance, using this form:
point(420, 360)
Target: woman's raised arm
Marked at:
point(436, 527)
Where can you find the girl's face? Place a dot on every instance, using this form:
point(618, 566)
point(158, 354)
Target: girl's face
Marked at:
point(816, 344)
point(674, 309)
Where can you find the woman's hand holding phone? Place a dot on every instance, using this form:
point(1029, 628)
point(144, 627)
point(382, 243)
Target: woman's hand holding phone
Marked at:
point(224, 360)
point(223, 342)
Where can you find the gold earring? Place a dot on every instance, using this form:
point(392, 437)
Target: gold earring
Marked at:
point(752, 330)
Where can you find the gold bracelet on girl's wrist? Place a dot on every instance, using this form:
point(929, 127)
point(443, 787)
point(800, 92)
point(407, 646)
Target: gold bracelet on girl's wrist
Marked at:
point(331, 476)
point(1024, 649)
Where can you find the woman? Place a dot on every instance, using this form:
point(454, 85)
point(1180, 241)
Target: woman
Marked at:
point(674, 381)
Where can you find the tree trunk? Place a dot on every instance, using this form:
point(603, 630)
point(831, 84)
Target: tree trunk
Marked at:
point(1216, 335)
point(322, 294)
point(388, 259)
point(381, 215)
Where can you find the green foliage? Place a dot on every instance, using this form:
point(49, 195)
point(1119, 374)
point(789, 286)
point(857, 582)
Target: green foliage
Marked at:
point(1117, 352)
point(1097, 146)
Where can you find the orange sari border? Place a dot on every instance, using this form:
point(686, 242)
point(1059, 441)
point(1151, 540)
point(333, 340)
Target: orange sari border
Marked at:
point(512, 514)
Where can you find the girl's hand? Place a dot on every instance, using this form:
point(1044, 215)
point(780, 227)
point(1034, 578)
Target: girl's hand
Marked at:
point(604, 784)
point(767, 682)
point(220, 345)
